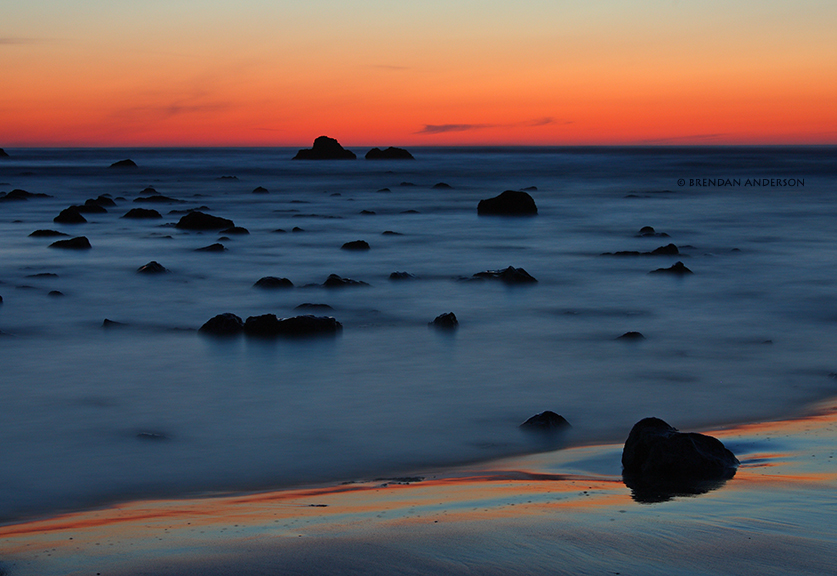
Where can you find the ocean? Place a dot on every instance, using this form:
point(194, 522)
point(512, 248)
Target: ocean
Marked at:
point(147, 406)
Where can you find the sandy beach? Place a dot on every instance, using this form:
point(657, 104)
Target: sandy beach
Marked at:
point(563, 512)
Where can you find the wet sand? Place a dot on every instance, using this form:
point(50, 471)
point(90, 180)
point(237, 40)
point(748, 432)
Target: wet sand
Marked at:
point(563, 512)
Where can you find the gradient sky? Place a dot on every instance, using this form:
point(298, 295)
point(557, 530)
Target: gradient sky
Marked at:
point(374, 72)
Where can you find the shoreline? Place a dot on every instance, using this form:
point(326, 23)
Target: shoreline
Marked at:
point(566, 511)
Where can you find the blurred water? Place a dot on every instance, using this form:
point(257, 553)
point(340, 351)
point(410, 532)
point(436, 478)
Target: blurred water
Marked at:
point(750, 335)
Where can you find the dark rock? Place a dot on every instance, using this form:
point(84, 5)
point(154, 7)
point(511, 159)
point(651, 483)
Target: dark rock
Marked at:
point(142, 213)
point(530, 189)
point(55, 293)
point(509, 203)
point(547, 421)
point(401, 276)
point(335, 281)
point(648, 231)
point(390, 153)
point(127, 163)
point(658, 461)
point(310, 306)
point(46, 234)
point(104, 200)
point(297, 229)
point(325, 148)
point(271, 282)
point(410, 211)
point(446, 321)
point(260, 190)
point(668, 250)
point(217, 247)
point(268, 325)
point(391, 233)
point(280, 231)
point(3, 153)
point(235, 230)
point(201, 221)
point(227, 178)
point(355, 245)
point(679, 269)
point(43, 275)
point(20, 195)
point(90, 206)
point(157, 199)
point(70, 215)
point(152, 267)
point(442, 186)
point(631, 336)
point(79, 243)
point(108, 323)
point(223, 325)
point(367, 212)
point(384, 190)
point(510, 275)
point(149, 190)
point(1, 299)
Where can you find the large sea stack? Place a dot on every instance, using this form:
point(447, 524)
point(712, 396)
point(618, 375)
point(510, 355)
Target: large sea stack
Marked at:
point(325, 148)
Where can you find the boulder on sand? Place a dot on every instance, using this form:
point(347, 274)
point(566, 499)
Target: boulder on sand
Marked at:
point(509, 203)
point(658, 461)
point(325, 148)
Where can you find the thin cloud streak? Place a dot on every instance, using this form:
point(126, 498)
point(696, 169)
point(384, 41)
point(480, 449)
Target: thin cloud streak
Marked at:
point(443, 128)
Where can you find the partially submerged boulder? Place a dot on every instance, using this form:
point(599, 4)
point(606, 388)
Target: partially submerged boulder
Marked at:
point(268, 325)
point(678, 269)
point(667, 250)
point(143, 214)
point(390, 153)
point(509, 203)
point(200, 221)
point(18, 195)
point(510, 275)
point(325, 148)
point(445, 321)
point(70, 215)
point(3, 153)
point(127, 163)
point(226, 324)
point(658, 461)
point(356, 245)
point(152, 267)
point(272, 282)
point(78, 243)
point(547, 421)
point(335, 281)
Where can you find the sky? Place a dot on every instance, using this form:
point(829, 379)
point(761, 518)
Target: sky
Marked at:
point(450, 72)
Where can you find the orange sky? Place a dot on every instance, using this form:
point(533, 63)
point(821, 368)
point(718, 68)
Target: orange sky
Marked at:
point(455, 72)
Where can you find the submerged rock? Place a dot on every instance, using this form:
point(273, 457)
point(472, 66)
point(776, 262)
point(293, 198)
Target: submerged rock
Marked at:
point(272, 282)
point(3, 153)
point(442, 186)
point(510, 275)
point(357, 245)
point(90, 206)
point(509, 203)
point(201, 221)
point(401, 276)
point(390, 153)
point(157, 198)
point(217, 247)
point(46, 233)
point(268, 325)
point(78, 243)
point(631, 336)
point(70, 215)
point(142, 213)
point(655, 453)
point(335, 281)
point(547, 421)
point(260, 190)
point(152, 267)
point(325, 148)
point(17, 195)
point(646, 231)
point(223, 325)
point(236, 230)
point(446, 321)
point(310, 306)
point(667, 250)
point(678, 269)
point(127, 163)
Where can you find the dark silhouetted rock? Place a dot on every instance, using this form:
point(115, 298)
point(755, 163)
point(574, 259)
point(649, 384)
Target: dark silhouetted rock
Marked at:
point(367, 212)
point(200, 221)
point(325, 148)
point(530, 189)
point(236, 230)
point(20, 195)
point(335, 281)
point(658, 461)
point(356, 245)
point(268, 325)
point(90, 206)
point(509, 203)
point(104, 200)
point(678, 269)
point(43, 275)
point(668, 250)
point(142, 214)
point(310, 306)
point(647, 231)
point(46, 234)
point(271, 282)
point(217, 247)
point(510, 275)
point(78, 243)
point(127, 163)
point(70, 215)
point(157, 198)
point(401, 276)
point(390, 153)
point(223, 325)
point(384, 190)
point(260, 190)
point(442, 186)
point(631, 336)
point(446, 321)
point(152, 267)
point(280, 231)
point(108, 323)
point(3, 153)
point(55, 293)
point(547, 421)
point(297, 229)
